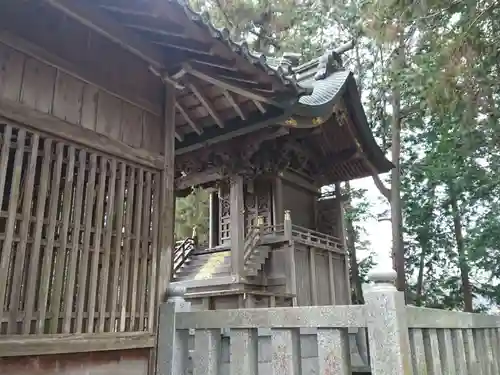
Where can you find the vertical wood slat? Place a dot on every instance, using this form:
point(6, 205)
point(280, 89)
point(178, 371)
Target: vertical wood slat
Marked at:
point(4, 159)
point(33, 280)
point(286, 351)
point(45, 279)
point(69, 296)
point(143, 276)
point(334, 354)
point(154, 256)
point(8, 242)
point(96, 253)
point(496, 346)
point(63, 237)
point(137, 249)
point(432, 352)
point(492, 343)
point(473, 365)
point(244, 352)
point(312, 276)
point(207, 350)
point(17, 279)
point(83, 269)
point(74, 227)
point(458, 346)
point(418, 351)
point(104, 281)
point(331, 279)
point(481, 351)
point(120, 201)
point(126, 249)
point(446, 351)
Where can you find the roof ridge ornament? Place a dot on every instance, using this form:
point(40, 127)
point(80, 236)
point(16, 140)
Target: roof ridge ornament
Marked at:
point(331, 61)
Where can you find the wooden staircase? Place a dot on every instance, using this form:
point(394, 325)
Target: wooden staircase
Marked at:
point(192, 264)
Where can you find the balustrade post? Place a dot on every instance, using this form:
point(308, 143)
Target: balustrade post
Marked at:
point(388, 336)
point(172, 345)
point(288, 226)
point(195, 237)
point(260, 225)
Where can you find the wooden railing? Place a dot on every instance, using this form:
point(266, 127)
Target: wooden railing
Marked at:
point(314, 238)
point(251, 241)
point(402, 340)
point(183, 250)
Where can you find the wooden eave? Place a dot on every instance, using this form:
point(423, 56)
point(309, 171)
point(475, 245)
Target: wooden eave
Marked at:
point(221, 86)
point(332, 125)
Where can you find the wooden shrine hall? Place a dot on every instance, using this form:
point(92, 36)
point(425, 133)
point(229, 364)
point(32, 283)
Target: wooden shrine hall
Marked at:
point(109, 110)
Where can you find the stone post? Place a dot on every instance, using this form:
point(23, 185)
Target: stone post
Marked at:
point(388, 336)
point(171, 345)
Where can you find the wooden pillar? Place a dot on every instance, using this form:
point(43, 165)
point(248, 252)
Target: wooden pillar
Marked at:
point(278, 208)
point(213, 235)
point(237, 226)
point(167, 197)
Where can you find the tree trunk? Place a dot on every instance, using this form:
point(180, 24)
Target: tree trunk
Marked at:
point(396, 213)
point(357, 289)
point(462, 256)
point(420, 278)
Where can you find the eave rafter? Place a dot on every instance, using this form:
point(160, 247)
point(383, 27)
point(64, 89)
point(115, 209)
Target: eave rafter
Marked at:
point(205, 102)
point(234, 104)
point(198, 130)
point(225, 85)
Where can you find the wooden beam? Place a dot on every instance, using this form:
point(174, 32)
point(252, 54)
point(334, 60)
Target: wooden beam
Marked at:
point(110, 29)
point(155, 30)
point(259, 106)
point(34, 345)
point(179, 137)
point(196, 179)
point(231, 134)
point(204, 101)
point(198, 130)
point(20, 114)
point(219, 82)
point(237, 108)
point(167, 195)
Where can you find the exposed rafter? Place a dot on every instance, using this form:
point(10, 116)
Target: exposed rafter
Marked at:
point(228, 86)
point(155, 30)
point(111, 29)
point(237, 108)
point(205, 103)
point(198, 130)
point(259, 106)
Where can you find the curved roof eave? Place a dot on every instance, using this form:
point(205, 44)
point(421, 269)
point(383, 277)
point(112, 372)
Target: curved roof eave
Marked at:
point(313, 110)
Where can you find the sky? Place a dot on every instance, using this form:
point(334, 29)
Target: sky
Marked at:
point(378, 233)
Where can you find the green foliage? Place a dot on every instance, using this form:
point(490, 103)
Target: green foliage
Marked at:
point(448, 81)
point(190, 212)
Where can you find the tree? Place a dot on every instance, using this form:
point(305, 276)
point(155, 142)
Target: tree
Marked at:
point(192, 212)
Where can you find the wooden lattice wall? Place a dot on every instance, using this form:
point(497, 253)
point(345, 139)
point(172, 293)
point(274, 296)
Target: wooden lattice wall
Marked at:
point(78, 238)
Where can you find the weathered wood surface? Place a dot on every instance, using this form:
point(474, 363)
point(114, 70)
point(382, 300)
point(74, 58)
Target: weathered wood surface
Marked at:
point(73, 224)
point(58, 99)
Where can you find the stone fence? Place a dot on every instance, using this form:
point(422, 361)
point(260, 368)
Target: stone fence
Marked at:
point(402, 340)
